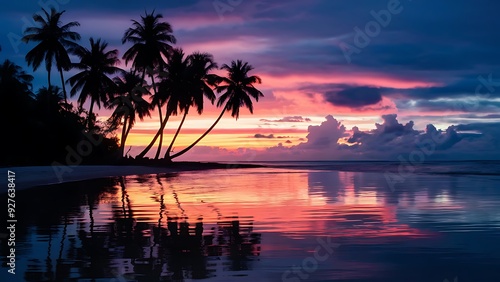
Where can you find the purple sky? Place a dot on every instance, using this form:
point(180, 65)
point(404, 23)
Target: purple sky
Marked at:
point(348, 66)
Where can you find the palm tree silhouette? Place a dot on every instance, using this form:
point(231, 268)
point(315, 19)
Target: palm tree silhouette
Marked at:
point(15, 91)
point(50, 100)
point(173, 81)
point(238, 90)
point(14, 79)
point(151, 39)
point(198, 86)
point(54, 42)
point(129, 104)
point(96, 64)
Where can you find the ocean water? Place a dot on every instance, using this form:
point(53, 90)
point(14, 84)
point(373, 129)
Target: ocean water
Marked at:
point(403, 167)
point(290, 221)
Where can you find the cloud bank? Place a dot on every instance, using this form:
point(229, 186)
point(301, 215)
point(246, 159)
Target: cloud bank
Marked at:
point(389, 140)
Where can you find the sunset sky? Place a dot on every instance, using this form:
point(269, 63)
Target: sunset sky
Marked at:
point(364, 79)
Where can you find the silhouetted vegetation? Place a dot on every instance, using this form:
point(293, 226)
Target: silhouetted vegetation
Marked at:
point(39, 126)
point(54, 41)
point(43, 127)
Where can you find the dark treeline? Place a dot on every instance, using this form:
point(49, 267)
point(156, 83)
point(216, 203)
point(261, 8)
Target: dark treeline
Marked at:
point(42, 127)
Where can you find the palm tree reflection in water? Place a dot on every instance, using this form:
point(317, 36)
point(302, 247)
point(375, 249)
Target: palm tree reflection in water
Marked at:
point(127, 248)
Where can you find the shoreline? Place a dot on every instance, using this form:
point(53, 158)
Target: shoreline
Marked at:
point(27, 177)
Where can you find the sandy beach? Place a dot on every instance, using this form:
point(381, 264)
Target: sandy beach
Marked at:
point(31, 176)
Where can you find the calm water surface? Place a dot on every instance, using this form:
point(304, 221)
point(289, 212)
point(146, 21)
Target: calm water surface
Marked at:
point(264, 224)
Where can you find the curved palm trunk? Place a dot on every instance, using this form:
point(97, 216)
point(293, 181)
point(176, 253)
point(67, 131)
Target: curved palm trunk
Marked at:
point(201, 137)
point(158, 150)
point(124, 136)
point(161, 120)
point(167, 154)
point(63, 86)
point(163, 123)
point(48, 77)
point(89, 124)
point(158, 133)
point(128, 130)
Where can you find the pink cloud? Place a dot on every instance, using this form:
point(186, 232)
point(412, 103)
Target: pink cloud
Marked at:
point(390, 140)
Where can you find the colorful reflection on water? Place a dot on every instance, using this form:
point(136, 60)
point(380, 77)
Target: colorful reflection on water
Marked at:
point(260, 225)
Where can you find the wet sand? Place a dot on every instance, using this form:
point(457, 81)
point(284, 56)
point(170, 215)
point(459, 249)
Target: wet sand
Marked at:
point(32, 176)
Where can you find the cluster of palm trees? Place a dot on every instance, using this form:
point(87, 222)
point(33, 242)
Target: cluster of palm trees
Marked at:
point(177, 82)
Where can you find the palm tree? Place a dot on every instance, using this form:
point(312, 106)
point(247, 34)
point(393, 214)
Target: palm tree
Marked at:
point(172, 81)
point(54, 42)
point(171, 89)
point(198, 86)
point(96, 65)
point(238, 90)
point(16, 114)
point(15, 92)
point(15, 87)
point(129, 104)
point(151, 39)
point(13, 77)
point(50, 100)
point(185, 81)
